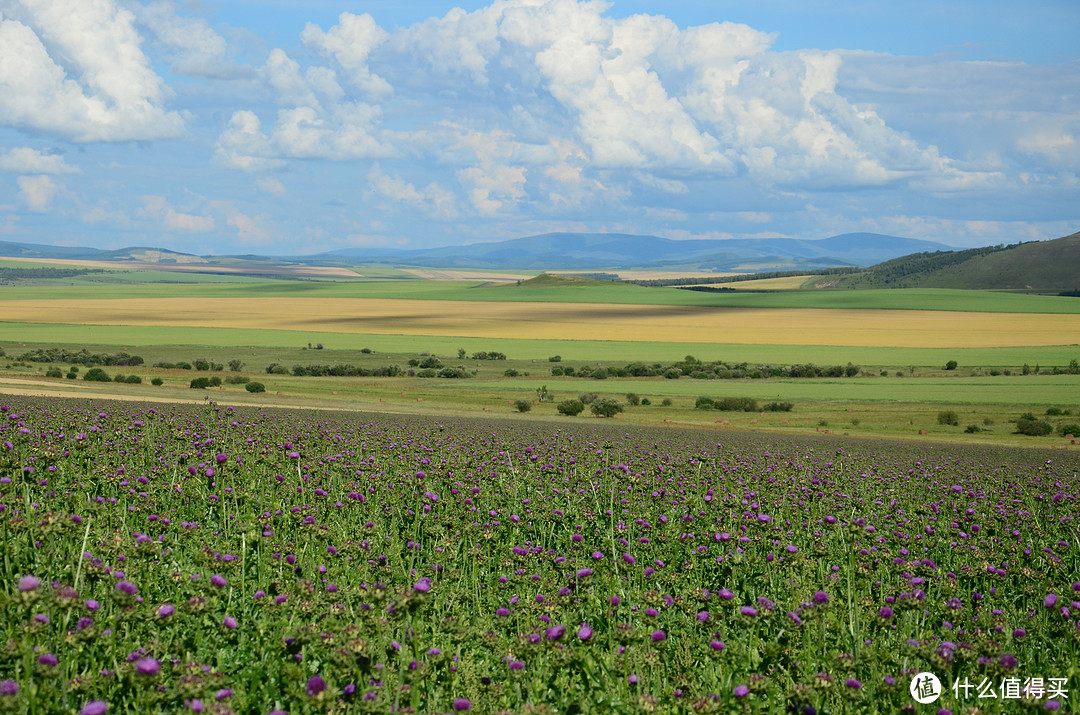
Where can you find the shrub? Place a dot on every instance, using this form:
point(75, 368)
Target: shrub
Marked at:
point(779, 407)
point(605, 407)
point(120, 378)
point(54, 372)
point(201, 364)
point(427, 372)
point(235, 365)
point(71, 375)
point(237, 379)
point(215, 381)
point(96, 374)
point(511, 373)
point(133, 380)
point(557, 371)
point(948, 417)
point(1053, 411)
point(1071, 428)
point(972, 429)
point(1033, 427)
point(199, 383)
point(951, 365)
point(366, 351)
point(157, 382)
point(255, 387)
point(587, 398)
point(276, 369)
point(705, 403)
point(522, 405)
point(646, 401)
point(666, 402)
point(737, 404)
point(632, 398)
point(555, 358)
point(571, 408)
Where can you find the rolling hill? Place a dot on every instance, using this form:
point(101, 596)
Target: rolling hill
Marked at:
point(1038, 265)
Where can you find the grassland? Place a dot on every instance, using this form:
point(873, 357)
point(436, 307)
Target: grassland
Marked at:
point(889, 334)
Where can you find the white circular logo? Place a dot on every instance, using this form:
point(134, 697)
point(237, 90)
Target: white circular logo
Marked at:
point(925, 688)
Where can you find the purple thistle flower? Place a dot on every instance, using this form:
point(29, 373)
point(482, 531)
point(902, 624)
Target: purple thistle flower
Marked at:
point(853, 683)
point(555, 632)
point(1050, 601)
point(218, 580)
point(95, 707)
point(658, 636)
point(223, 693)
point(502, 611)
point(726, 594)
point(221, 458)
point(165, 610)
point(820, 598)
point(585, 632)
point(229, 622)
point(196, 706)
point(716, 644)
point(423, 585)
point(8, 688)
point(147, 666)
point(127, 587)
point(48, 659)
point(29, 583)
point(517, 665)
point(462, 704)
point(315, 685)
point(632, 680)
point(748, 611)
point(93, 606)
point(582, 573)
point(885, 612)
point(741, 691)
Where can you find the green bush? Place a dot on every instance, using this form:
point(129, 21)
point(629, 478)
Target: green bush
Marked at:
point(779, 407)
point(199, 383)
point(96, 374)
point(605, 407)
point(737, 404)
point(1033, 427)
point(646, 401)
point(237, 379)
point(157, 382)
point(571, 408)
point(951, 365)
point(973, 429)
point(54, 372)
point(555, 358)
point(133, 380)
point(948, 417)
point(255, 387)
point(522, 405)
point(666, 402)
point(1071, 428)
point(632, 398)
point(587, 398)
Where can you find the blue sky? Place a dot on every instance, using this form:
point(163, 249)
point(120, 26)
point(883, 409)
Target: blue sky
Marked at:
point(280, 127)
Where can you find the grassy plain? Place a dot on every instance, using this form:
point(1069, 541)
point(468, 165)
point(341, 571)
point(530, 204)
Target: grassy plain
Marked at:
point(911, 333)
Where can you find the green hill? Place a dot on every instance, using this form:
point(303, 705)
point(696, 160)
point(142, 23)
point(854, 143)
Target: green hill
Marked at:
point(1048, 266)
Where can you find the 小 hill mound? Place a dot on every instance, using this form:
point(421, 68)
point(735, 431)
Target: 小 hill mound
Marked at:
point(1038, 265)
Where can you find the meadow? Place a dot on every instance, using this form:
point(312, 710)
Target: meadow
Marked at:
point(210, 558)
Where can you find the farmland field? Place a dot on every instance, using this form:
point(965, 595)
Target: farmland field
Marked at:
point(356, 564)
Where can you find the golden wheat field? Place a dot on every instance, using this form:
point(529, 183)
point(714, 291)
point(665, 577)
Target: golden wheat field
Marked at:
point(569, 321)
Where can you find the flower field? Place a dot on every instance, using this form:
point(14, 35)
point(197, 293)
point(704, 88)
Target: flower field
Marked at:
point(173, 558)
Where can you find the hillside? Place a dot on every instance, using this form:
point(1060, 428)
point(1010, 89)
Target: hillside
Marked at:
point(1039, 265)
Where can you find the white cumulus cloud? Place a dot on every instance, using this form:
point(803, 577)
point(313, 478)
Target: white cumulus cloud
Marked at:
point(75, 69)
point(37, 192)
point(24, 160)
point(158, 207)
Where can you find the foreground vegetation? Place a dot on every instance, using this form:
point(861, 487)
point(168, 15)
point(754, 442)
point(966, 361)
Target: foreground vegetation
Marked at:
point(169, 558)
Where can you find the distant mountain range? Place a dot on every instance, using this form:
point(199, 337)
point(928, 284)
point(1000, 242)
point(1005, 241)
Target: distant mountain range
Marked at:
point(592, 251)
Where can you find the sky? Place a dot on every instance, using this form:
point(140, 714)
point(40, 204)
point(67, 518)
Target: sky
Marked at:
point(292, 128)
